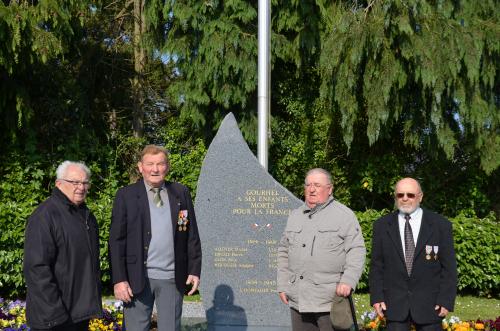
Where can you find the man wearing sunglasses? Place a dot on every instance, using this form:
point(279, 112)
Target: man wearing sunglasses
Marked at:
point(413, 274)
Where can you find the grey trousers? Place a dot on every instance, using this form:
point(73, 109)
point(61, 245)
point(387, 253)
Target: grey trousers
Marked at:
point(137, 314)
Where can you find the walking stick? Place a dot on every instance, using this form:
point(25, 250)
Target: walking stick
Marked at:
point(353, 312)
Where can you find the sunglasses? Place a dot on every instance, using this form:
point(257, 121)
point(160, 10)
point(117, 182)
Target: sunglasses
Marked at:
point(409, 195)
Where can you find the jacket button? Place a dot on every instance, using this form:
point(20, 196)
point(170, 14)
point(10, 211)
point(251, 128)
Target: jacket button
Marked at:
point(145, 262)
point(303, 245)
point(146, 247)
point(301, 277)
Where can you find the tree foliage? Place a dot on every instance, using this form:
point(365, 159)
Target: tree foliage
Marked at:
point(429, 66)
point(214, 47)
point(31, 35)
point(356, 86)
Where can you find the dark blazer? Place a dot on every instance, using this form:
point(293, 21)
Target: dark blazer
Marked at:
point(432, 282)
point(130, 236)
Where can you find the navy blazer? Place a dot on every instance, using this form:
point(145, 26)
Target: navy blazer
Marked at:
point(130, 236)
point(433, 280)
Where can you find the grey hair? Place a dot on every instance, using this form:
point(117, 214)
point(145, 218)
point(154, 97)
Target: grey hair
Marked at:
point(63, 168)
point(321, 171)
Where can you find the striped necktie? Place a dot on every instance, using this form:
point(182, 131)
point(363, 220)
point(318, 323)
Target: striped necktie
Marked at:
point(409, 245)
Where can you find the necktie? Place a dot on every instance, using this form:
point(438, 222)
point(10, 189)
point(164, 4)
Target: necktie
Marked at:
point(157, 197)
point(409, 245)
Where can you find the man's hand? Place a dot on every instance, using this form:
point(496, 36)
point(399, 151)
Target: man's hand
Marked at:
point(123, 291)
point(194, 281)
point(379, 308)
point(343, 290)
point(442, 312)
point(283, 298)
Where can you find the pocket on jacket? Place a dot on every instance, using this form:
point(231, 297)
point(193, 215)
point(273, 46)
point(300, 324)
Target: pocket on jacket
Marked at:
point(292, 234)
point(329, 236)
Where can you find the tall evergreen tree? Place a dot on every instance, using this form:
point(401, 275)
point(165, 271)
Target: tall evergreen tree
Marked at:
point(430, 67)
point(356, 85)
point(31, 35)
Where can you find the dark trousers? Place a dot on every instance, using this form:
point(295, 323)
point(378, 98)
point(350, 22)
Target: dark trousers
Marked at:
point(80, 326)
point(406, 325)
point(310, 321)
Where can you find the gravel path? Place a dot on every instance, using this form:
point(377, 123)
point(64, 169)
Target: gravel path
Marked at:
point(193, 309)
point(189, 308)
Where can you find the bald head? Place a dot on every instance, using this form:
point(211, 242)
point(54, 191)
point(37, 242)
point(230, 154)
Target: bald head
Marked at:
point(408, 195)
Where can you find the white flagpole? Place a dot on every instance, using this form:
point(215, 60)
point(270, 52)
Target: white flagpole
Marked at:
point(264, 83)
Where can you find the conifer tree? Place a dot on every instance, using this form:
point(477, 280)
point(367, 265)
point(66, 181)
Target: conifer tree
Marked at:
point(428, 69)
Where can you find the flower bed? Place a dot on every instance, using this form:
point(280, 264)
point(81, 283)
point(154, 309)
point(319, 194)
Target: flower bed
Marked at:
point(13, 318)
point(370, 321)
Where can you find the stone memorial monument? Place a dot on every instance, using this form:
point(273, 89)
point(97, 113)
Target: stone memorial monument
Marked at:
point(241, 212)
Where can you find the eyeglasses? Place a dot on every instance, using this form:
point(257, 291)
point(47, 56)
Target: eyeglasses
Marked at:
point(151, 164)
point(77, 183)
point(409, 195)
point(316, 185)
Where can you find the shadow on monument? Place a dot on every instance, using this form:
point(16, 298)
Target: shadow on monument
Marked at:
point(224, 314)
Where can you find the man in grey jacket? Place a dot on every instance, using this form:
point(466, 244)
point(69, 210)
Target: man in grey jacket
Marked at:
point(321, 254)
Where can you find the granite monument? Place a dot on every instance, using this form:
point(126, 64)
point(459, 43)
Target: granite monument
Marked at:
point(241, 212)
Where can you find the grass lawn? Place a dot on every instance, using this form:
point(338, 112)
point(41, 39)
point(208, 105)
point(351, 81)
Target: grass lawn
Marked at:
point(194, 297)
point(466, 307)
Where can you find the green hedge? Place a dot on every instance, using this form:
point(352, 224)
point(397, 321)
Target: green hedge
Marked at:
point(22, 188)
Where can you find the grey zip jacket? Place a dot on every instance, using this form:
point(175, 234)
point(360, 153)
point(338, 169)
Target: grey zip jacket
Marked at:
point(320, 247)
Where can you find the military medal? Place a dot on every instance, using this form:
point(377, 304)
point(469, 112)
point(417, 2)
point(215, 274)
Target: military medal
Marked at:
point(182, 220)
point(428, 250)
point(436, 248)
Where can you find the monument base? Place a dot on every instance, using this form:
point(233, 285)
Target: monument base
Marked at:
point(200, 324)
point(212, 327)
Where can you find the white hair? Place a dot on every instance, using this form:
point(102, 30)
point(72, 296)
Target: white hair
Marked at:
point(321, 171)
point(63, 168)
